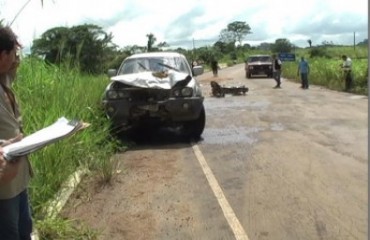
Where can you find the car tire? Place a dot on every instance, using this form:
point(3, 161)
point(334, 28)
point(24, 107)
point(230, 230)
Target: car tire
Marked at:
point(249, 75)
point(194, 129)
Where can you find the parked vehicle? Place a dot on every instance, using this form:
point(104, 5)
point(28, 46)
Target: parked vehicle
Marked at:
point(258, 65)
point(156, 89)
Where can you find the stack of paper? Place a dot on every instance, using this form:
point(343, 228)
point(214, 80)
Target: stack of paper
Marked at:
point(58, 130)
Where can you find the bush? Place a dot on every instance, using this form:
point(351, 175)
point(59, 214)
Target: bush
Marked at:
point(319, 52)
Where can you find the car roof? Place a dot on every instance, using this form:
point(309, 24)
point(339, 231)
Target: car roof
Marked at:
point(156, 54)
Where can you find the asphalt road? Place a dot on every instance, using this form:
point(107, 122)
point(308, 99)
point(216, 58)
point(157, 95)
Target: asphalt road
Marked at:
point(274, 164)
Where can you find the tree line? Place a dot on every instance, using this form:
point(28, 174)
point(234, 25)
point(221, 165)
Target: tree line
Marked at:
point(92, 50)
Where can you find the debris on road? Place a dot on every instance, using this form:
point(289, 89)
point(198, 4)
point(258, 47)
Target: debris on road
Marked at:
point(219, 91)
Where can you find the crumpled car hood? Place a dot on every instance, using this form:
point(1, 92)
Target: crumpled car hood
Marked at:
point(158, 80)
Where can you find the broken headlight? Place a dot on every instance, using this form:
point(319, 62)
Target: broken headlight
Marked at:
point(116, 94)
point(183, 92)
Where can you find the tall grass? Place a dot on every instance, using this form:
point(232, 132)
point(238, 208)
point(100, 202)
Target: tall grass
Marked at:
point(328, 73)
point(46, 93)
point(335, 52)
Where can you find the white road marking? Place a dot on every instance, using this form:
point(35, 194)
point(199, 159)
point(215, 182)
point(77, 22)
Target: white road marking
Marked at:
point(229, 214)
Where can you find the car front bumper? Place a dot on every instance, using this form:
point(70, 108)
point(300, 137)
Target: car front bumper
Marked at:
point(124, 112)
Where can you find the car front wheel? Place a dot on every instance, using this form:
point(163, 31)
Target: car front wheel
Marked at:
point(194, 129)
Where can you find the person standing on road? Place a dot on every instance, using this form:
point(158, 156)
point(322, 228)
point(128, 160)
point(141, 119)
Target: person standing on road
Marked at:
point(347, 72)
point(15, 214)
point(276, 68)
point(215, 67)
point(303, 71)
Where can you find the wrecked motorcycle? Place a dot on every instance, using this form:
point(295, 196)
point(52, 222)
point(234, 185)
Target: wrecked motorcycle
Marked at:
point(220, 91)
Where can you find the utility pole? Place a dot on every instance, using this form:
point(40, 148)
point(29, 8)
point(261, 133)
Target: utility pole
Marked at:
point(354, 41)
point(192, 61)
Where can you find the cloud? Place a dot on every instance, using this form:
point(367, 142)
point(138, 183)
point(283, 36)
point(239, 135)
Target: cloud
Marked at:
point(195, 22)
point(184, 25)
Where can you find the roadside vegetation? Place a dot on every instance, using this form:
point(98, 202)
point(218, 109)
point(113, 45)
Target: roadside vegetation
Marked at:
point(327, 73)
point(325, 70)
point(46, 93)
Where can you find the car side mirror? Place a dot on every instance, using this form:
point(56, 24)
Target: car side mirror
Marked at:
point(198, 70)
point(112, 72)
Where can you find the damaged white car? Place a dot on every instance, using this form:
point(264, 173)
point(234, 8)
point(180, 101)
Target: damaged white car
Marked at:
point(156, 89)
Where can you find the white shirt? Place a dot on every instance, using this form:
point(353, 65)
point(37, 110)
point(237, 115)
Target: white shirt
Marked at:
point(347, 64)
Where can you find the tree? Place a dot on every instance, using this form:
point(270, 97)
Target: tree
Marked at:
point(235, 32)
point(86, 46)
point(265, 46)
point(207, 54)
point(309, 42)
point(223, 47)
point(134, 49)
point(226, 37)
point(151, 40)
point(327, 43)
point(163, 45)
point(51, 44)
point(282, 45)
point(364, 42)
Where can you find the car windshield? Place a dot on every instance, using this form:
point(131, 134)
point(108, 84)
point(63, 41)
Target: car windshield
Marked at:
point(153, 64)
point(259, 59)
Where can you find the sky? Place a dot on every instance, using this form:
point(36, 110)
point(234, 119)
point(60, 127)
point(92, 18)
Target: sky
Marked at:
point(194, 23)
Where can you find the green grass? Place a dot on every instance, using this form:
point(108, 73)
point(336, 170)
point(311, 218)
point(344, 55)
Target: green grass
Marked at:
point(328, 73)
point(61, 229)
point(46, 93)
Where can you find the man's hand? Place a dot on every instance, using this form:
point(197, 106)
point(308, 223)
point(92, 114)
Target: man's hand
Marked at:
point(2, 163)
point(8, 170)
point(12, 140)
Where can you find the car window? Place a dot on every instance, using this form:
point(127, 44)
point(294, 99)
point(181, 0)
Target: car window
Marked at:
point(154, 64)
point(265, 59)
point(127, 67)
point(259, 59)
point(252, 59)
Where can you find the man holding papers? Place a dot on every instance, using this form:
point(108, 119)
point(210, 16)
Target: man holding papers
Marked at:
point(15, 217)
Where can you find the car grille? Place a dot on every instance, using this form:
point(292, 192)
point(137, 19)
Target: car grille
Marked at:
point(148, 95)
point(261, 67)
